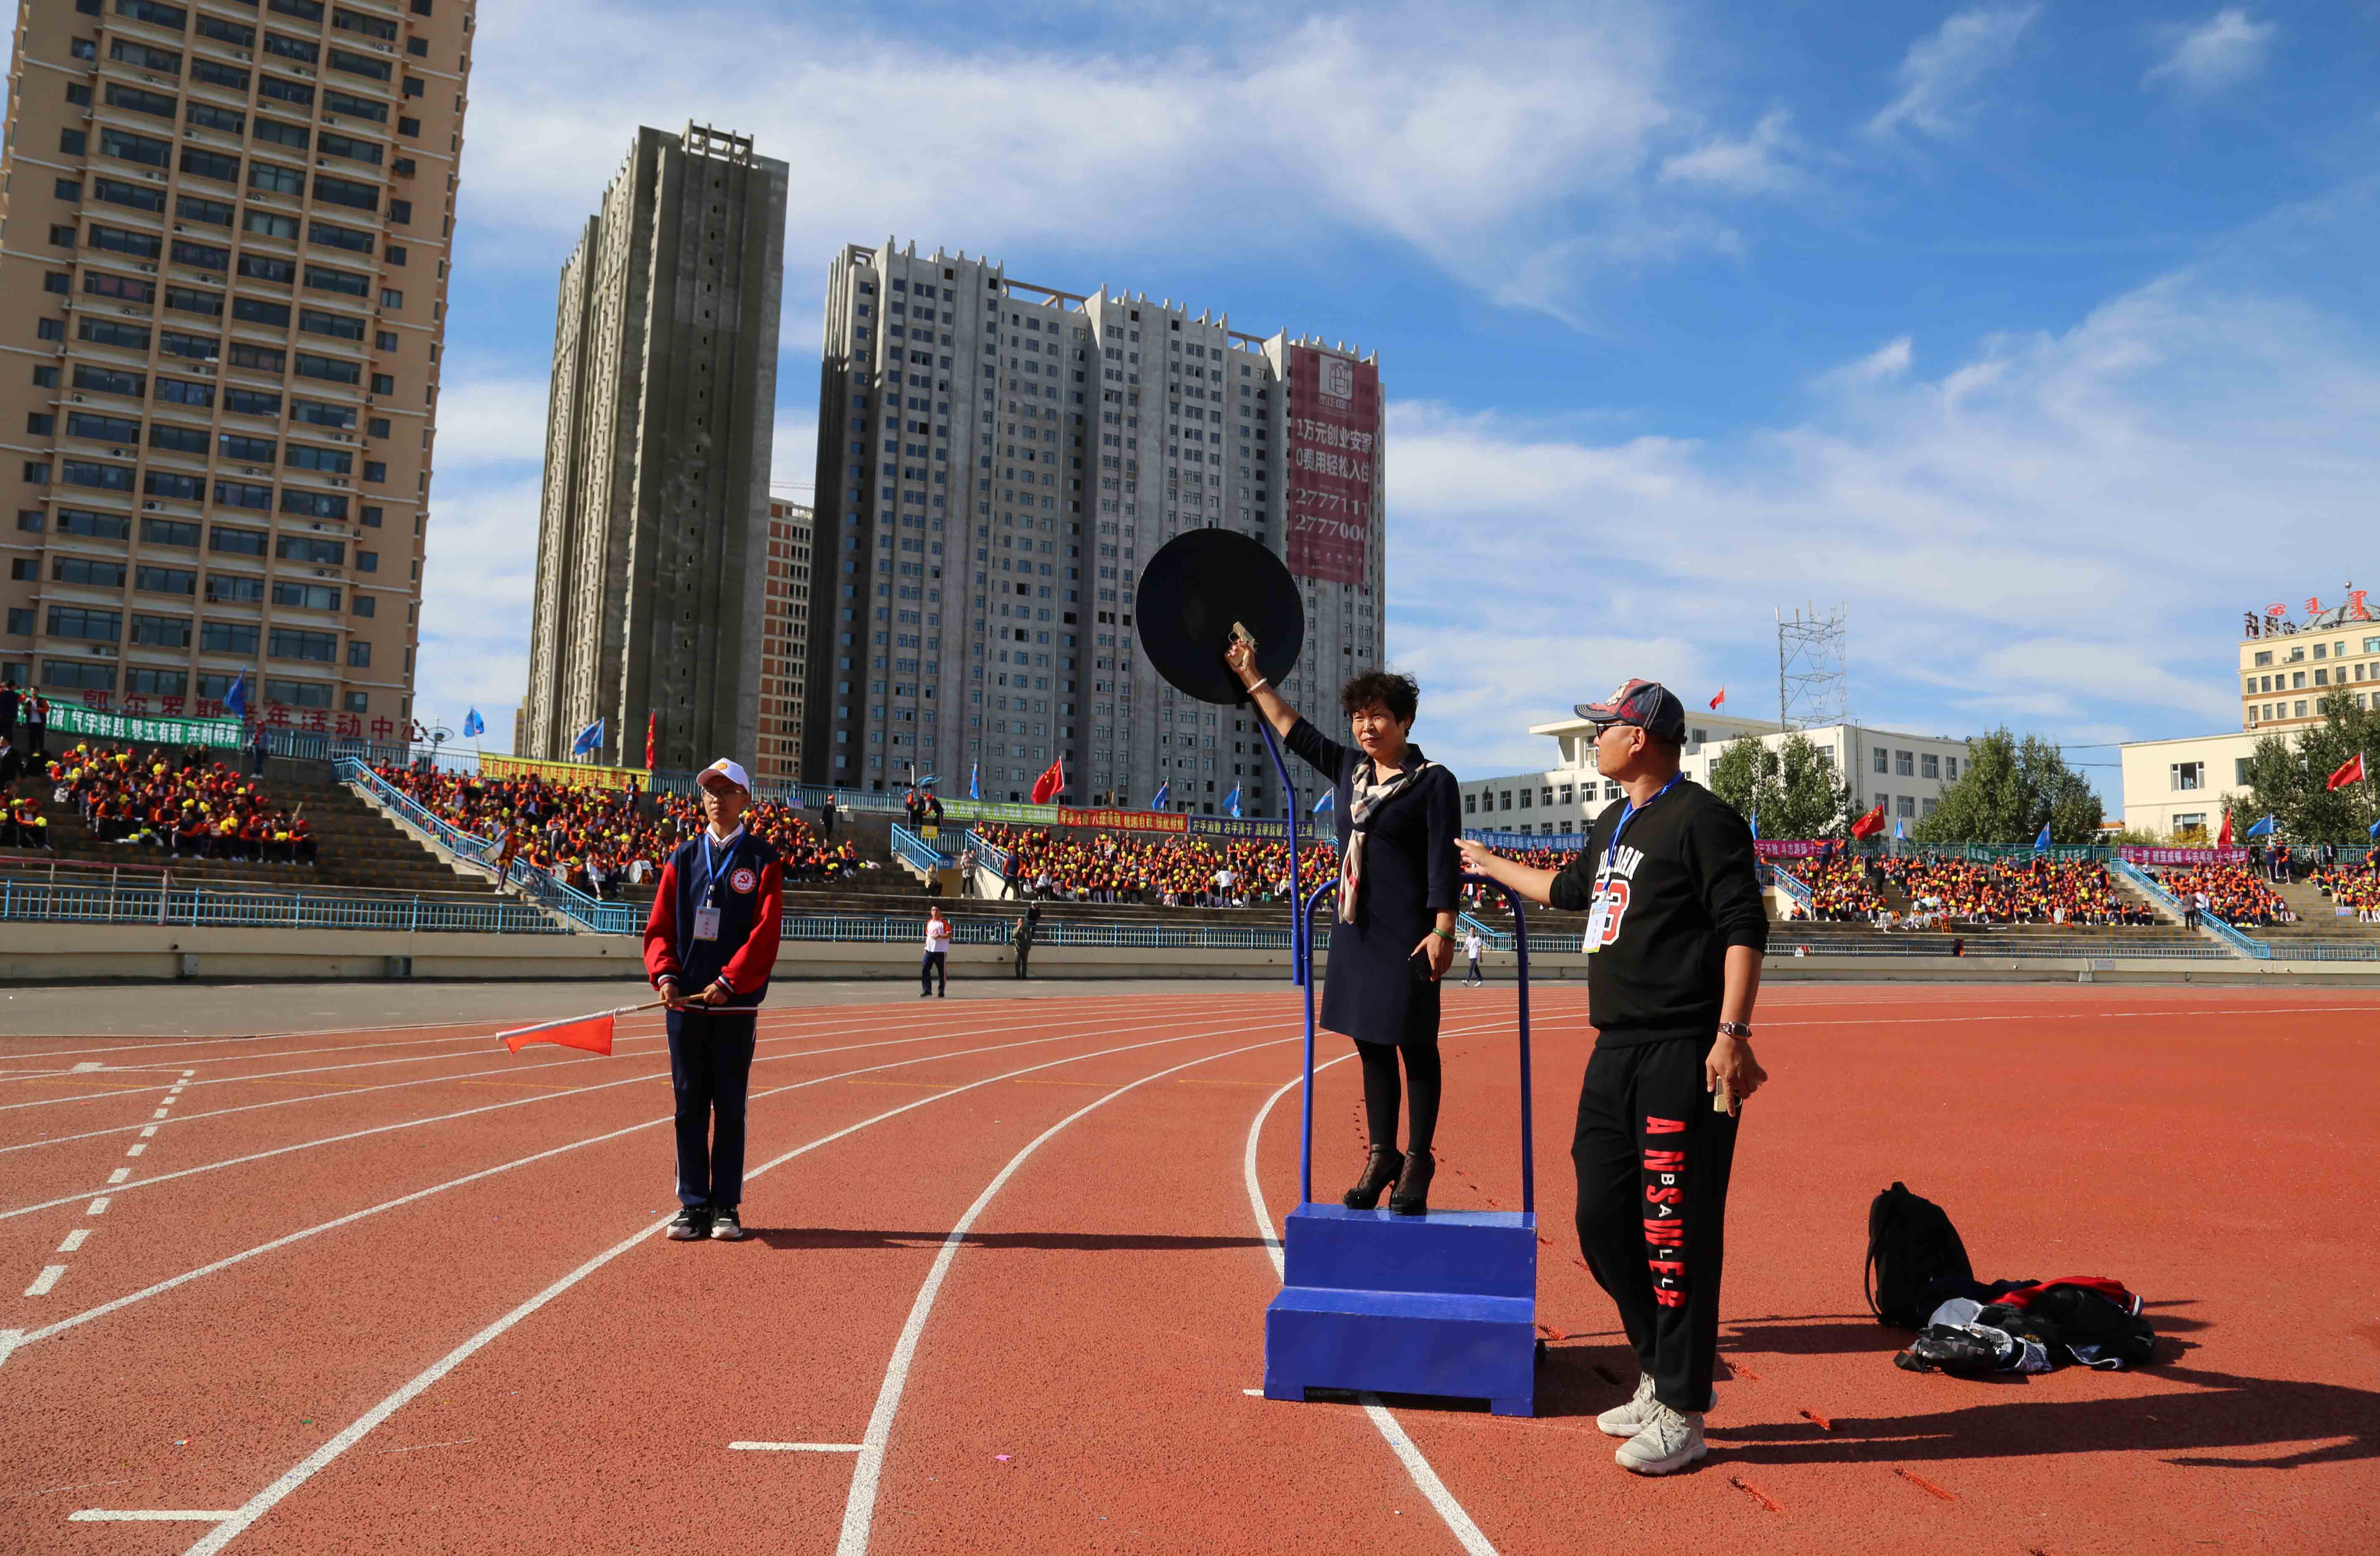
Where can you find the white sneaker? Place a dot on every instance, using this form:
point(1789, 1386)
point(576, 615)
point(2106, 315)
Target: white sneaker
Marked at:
point(1668, 1442)
point(1627, 1420)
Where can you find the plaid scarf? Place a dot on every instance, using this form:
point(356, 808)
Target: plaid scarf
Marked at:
point(1366, 799)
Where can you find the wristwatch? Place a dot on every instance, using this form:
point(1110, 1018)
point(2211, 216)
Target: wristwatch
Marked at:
point(1733, 1029)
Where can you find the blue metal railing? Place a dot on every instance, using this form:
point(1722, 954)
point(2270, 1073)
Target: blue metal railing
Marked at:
point(30, 900)
point(1793, 885)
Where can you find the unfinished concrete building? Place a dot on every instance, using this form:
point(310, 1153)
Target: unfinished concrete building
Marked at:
point(653, 530)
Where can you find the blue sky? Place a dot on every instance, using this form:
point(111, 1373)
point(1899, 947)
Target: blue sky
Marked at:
point(2042, 336)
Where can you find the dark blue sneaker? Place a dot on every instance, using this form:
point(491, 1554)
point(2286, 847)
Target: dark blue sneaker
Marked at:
point(690, 1224)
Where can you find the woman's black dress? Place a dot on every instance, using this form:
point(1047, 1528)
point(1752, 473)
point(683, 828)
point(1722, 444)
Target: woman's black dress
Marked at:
point(1375, 989)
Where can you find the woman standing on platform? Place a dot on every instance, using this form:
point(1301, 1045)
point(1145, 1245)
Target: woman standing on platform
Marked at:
point(1393, 935)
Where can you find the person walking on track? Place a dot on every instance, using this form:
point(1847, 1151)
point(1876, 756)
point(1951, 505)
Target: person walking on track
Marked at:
point(1675, 932)
point(1393, 935)
point(709, 946)
point(936, 967)
point(1472, 946)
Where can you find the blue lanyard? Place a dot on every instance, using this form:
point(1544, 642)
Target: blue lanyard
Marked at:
point(1629, 815)
point(711, 866)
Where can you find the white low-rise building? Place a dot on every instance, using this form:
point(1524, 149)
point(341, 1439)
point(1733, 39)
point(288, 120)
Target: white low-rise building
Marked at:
point(2175, 789)
point(1905, 772)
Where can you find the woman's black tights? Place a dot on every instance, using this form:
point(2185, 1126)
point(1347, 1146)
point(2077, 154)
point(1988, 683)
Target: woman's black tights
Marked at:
point(1380, 1093)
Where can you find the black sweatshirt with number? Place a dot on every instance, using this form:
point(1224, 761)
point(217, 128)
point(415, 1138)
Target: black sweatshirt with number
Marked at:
point(1684, 887)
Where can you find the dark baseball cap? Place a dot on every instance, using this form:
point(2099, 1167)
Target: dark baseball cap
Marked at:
point(1649, 705)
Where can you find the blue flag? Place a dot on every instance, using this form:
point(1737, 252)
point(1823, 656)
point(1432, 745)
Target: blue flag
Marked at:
point(1231, 801)
point(473, 724)
point(2262, 829)
point(1900, 831)
point(1329, 799)
point(2042, 841)
point(236, 699)
point(974, 780)
point(590, 739)
point(1755, 820)
point(1156, 800)
point(2372, 831)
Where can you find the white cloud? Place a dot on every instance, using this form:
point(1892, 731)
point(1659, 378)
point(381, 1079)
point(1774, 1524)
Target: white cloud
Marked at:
point(1940, 76)
point(1754, 164)
point(2224, 49)
point(1470, 134)
point(2058, 532)
point(1890, 360)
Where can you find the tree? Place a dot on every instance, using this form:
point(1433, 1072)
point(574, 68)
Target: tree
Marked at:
point(2008, 789)
point(1790, 787)
point(2288, 775)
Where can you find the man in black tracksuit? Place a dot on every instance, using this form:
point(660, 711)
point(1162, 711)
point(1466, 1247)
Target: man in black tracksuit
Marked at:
point(1676, 929)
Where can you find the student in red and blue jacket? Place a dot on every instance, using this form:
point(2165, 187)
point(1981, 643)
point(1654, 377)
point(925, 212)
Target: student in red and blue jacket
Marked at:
point(709, 946)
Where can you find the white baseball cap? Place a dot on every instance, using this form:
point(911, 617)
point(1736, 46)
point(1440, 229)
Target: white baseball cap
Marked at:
point(728, 770)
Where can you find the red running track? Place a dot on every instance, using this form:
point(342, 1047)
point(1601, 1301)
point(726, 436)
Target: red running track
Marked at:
point(396, 1290)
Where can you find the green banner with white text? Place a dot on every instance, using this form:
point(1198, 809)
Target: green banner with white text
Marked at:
point(133, 729)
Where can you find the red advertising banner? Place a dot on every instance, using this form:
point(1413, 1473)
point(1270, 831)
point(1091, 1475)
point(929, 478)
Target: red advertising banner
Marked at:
point(1124, 821)
point(1333, 464)
point(2132, 853)
point(1785, 848)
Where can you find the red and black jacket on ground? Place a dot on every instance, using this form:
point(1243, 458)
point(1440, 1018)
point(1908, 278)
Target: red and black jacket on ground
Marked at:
point(748, 892)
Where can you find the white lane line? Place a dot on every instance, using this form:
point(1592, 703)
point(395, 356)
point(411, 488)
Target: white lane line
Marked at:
point(307, 1468)
point(123, 1173)
point(859, 1506)
point(160, 1113)
point(513, 1067)
point(1458, 1522)
point(145, 1516)
point(169, 1283)
point(135, 1148)
point(9, 1340)
point(45, 1280)
point(798, 1447)
point(98, 1206)
point(149, 1131)
point(73, 1239)
point(417, 1446)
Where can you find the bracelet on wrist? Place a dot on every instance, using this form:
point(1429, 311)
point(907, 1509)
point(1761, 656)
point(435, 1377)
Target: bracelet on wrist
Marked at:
point(1260, 684)
point(1445, 935)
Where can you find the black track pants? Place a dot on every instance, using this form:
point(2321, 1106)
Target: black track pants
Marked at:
point(1653, 1161)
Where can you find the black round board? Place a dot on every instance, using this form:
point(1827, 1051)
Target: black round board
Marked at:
point(1191, 592)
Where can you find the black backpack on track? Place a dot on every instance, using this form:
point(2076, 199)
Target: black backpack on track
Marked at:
point(1914, 1253)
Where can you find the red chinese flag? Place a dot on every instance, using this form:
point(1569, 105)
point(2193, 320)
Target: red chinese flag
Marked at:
point(2223, 838)
point(592, 1033)
point(1869, 824)
point(1046, 786)
point(2352, 772)
point(1720, 698)
point(651, 718)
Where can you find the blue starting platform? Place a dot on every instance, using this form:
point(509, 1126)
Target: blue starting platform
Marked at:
point(1444, 1303)
point(1439, 1304)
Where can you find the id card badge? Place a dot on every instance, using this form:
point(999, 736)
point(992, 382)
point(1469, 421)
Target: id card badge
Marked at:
point(706, 923)
point(1597, 919)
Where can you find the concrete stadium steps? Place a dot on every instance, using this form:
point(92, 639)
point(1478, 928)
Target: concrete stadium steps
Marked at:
point(1991, 940)
point(355, 845)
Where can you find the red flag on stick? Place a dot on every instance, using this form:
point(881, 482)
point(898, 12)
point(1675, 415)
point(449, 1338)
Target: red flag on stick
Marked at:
point(652, 723)
point(1869, 824)
point(1046, 786)
point(2349, 773)
point(1720, 698)
point(2223, 838)
point(592, 1033)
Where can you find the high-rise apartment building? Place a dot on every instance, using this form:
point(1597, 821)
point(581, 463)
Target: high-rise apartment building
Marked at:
point(996, 461)
point(654, 526)
point(785, 644)
point(224, 236)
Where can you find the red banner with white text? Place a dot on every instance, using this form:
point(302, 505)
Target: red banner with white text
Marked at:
point(1334, 465)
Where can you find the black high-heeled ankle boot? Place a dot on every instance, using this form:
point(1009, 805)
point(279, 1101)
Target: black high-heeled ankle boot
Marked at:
point(1412, 1197)
point(1379, 1171)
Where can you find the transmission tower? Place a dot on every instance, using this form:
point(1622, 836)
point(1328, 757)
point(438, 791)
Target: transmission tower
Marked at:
point(1813, 675)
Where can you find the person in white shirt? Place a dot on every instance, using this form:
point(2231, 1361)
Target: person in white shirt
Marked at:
point(936, 967)
point(1472, 946)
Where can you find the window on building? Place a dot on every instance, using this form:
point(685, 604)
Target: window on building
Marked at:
point(1904, 764)
point(1883, 760)
point(2187, 774)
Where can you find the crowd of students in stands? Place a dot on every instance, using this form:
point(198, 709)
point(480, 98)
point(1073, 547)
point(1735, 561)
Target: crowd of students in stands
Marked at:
point(2234, 893)
point(2356, 887)
point(1840, 891)
point(1175, 871)
point(191, 806)
point(597, 839)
